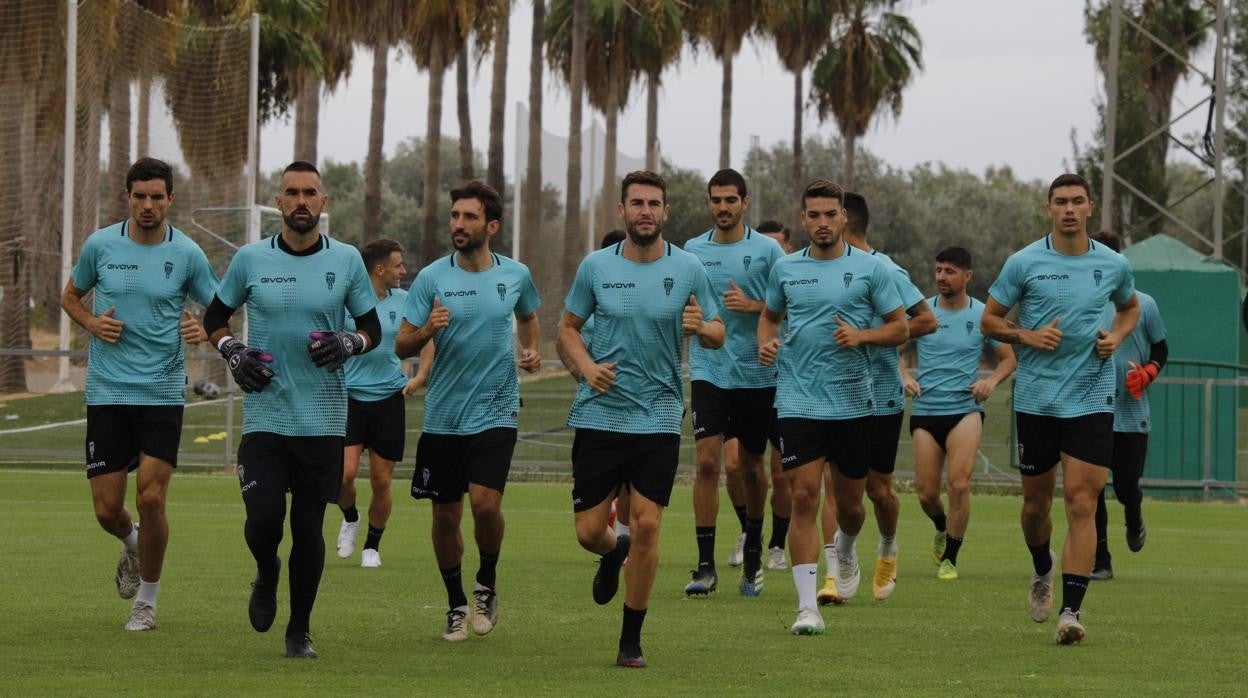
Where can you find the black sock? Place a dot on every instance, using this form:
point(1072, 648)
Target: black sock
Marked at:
point(753, 543)
point(1073, 588)
point(740, 516)
point(350, 514)
point(454, 587)
point(630, 630)
point(779, 532)
point(485, 574)
point(307, 560)
point(706, 545)
point(952, 545)
point(374, 538)
point(939, 521)
point(1041, 558)
point(1102, 553)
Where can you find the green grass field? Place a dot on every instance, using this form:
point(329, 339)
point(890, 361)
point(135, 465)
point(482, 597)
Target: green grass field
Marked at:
point(1173, 622)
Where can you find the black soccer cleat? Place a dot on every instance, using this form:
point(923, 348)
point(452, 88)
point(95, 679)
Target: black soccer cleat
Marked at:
point(704, 581)
point(262, 608)
point(1136, 537)
point(631, 658)
point(607, 579)
point(300, 646)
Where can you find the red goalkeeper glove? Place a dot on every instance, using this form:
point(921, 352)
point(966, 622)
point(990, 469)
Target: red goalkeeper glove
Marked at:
point(1139, 377)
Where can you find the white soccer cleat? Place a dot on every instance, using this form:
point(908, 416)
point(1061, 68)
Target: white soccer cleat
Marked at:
point(142, 617)
point(776, 560)
point(370, 558)
point(1069, 630)
point(346, 538)
point(456, 630)
point(485, 610)
point(738, 553)
point(808, 622)
point(847, 575)
point(128, 574)
point(1040, 596)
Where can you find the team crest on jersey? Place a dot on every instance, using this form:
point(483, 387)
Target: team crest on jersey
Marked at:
point(970, 326)
point(329, 280)
point(1096, 276)
point(502, 291)
point(848, 279)
point(168, 269)
point(745, 262)
point(393, 315)
point(668, 284)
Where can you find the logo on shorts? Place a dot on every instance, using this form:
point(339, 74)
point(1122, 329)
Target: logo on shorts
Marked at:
point(847, 278)
point(970, 327)
point(1096, 276)
point(168, 269)
point(668, 284)
point(1020, 452)
point(91, 450)
point(392, 317)
point(745, 262)
point(502, 291)
point(329, 280)
point(424, 477)
point(241, 474)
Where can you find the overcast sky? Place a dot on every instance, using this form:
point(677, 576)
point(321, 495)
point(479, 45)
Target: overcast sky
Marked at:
point(1005, 82)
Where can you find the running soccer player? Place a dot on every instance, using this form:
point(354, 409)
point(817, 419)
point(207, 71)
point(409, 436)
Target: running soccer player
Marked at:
point(1064, 388)
point(376, 417)
point(142, 270)
point(645, 296)
point(781, 493)
point(1136, 365)
point(465, 302)
point(828, 295)
point(732, 393)
point(298, 286)
point(947, 415)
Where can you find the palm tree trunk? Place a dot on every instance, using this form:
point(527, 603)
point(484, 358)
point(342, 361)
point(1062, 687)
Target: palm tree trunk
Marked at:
point(144, 137)
point(307, 119)
point(465, 113)
point(376, 137)
point(725, 115)
point(851, 140)
point(433, 149)
point(531, 235)
point(498, 105)
point(610, 162)
point(118, 147)
point(652, 123)
point(572, 233)
point(798, 184)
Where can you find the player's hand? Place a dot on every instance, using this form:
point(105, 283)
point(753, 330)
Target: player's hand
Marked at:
point(1106, 343)
point(192, 331)
point(439, 317)
point(981, 390)
point(330, 350)
point(601, 377)
point(1138, 377)
point(736, 300)
point(409, 388)
point(1046, 338)
point(530, 360)
point(846, 335)
point(691, 321)
point(247, 365)
point(768, 351)
point(910, 386)
point(107, 327)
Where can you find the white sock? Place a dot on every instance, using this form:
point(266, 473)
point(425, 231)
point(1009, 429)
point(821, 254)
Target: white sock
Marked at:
point(845, 544)
point(829, 557)
point(132, 541)
point(805, 578)
point(147, 592)
point(888, 546)
point(621, 528)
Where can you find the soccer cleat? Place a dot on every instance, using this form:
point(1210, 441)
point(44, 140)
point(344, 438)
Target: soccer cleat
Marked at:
point(751, 584)
point(128, 574)
point(948, 571)
point(847, 575)
point(262, 608)
point(1069, 630)
point(738, 553)
point(1040, 597)
point(1135, 538)
point(885, 580)
point(1102, 572)
point(808, 622)
point(142, 617)
point(776, 560)
point(346, 538)
point(607, 578)
point(705, 580)
point(827, 595)
point(455, 630)
point(631, 658)
point(300, 646)
point(370, 558)
point(485, 610)
point(938, 546)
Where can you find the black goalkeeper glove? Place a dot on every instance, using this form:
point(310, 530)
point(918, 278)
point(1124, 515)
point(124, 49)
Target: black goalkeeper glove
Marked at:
point(330, 350)
point(247, 365)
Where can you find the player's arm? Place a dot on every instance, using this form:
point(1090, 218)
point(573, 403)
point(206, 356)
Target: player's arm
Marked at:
point(710, 333)
point(920, 319)
point(103, 326)
point(994, 325)
point(1124, 321)
point(1140, 376)
point(423, 367)
point(411, 339)
point(908, 383)
point(248, 366)
point(768, 336)
point(737, 300)
point(570, 346)
point(893, 332)
point(1006, 363)
point(530, 335)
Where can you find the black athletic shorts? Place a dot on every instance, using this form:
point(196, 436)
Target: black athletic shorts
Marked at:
point(1042, 440)
point(447, 463)
point(939, 425)
point(1130, 452)
point(378, 425)
point(116, 434)
point(885, 431)
point(745, 414)
point(271, 464)
point(845, 442)
point(601, 460)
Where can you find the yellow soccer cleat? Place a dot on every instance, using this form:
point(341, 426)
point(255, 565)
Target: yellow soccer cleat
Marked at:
point(885, 580)
point(938, 547)
point(827, 595)
point(948, 571)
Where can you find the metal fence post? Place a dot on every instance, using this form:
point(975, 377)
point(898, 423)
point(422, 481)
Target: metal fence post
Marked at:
point(1207, 473)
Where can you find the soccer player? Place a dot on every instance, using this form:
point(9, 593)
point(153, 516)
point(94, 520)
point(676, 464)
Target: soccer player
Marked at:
point(731, 391)
point(947, 415)
point(828, 295)
point(465, 302)
point(298, 286)
point(376, 417)
point(142, 270)
point(781, 493)
point(1064, 388)
point(645, 296)
point(1136, 364)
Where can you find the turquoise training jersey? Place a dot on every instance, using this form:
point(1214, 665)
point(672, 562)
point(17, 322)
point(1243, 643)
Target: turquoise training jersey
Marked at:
point(289, 295)
point(473, 385)
point(949, 359)
point(379, 374)
point(1133, 416)
point(890, 395)
point(747, 263)
point(1074, 289)
point(638, 311)
point(816, 378)
point(149, 285)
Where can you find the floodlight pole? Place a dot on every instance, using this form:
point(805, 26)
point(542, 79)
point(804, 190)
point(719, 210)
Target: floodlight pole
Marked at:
point(1111, 114)
point(63, 384)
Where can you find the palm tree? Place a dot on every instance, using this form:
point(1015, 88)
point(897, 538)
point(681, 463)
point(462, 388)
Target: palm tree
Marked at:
point(723, 25)
point(657, 42)
point(873, 55)
point(336, 53)
point(571, 17)
point(501, 21)
point(464, 110)
point(531, 225)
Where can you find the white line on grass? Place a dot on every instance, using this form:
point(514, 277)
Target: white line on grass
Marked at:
point(76, 422)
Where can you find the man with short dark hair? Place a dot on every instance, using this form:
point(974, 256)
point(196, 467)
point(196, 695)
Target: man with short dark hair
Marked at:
point(781, 493)
point(142, 270)
point(646, 296)
point(1064, 386)
point(298, 287)
point(465, 302)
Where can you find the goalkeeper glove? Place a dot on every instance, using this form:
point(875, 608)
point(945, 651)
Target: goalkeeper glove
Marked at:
point(1139, 377)
point(247, 365)
point(330, 350)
